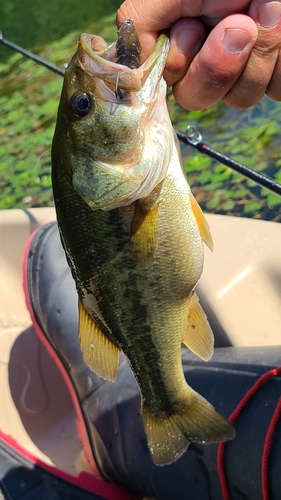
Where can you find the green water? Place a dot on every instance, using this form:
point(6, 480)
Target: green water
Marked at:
point(30, 23)
point(29, 96)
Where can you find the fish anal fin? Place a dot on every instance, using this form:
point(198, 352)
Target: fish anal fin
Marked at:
point(144, 232)
point(202, 223)
point(196, 420)
point(99, 353)
point(198, 336)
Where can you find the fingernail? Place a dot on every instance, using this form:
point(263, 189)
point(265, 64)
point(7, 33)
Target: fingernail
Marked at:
point(269, 14)
point(188, 40)
point(236, 40)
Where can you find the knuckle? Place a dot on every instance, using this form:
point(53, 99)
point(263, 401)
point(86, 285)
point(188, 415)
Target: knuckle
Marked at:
point(267, 45)
point(219, 78)
point(242, 99)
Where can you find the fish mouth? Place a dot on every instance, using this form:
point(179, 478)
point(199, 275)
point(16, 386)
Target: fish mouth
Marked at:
point(131, 102)
point(98, 60)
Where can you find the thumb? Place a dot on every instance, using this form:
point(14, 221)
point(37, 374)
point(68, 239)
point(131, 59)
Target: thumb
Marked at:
point(219, 63)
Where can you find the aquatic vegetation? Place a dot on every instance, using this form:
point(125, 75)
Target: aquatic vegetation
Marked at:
point(29, 96)
point(251, 137)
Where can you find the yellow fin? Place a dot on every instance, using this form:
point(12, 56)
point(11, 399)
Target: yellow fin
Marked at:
point(193, 420)
point(144, 232)
point(202, 223)
point(198, 336)
point(99, 353)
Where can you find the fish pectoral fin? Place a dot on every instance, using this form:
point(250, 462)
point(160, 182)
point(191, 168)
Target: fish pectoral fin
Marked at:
point(193, 420)
point(203, 225)
point(99, 353)
point(198, 337)
point(144, 232)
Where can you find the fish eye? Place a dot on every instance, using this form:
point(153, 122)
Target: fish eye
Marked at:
point(81, 103)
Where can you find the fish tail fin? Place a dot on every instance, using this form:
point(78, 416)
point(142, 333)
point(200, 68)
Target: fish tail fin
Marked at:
point(193, 420)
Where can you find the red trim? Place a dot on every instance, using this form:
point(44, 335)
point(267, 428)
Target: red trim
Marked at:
point(93, 483)
point(84, 480)
point(268, 439)
point(266, 450)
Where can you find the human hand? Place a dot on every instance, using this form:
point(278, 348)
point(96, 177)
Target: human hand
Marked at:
point(238, 61)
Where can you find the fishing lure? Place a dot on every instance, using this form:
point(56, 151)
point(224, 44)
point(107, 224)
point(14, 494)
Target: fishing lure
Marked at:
point(128, 47)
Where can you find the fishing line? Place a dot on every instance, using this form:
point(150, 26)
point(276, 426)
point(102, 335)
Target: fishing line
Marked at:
point(191, 137)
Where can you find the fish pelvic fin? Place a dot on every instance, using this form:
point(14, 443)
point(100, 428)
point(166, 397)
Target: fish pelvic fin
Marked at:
point(198, 337)
point(99, 353)
point(196, 420)
point(203, 225)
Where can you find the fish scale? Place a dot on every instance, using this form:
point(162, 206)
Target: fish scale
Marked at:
point(133, 232)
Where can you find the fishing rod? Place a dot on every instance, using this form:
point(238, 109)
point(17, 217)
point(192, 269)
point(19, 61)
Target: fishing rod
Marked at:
point(30, 55)
point(194, 138)
point(191, 137)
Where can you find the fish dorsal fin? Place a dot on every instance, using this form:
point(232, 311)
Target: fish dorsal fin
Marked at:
point(198, 336)
point(202, 223)
point(99, 353)
point(144, 232)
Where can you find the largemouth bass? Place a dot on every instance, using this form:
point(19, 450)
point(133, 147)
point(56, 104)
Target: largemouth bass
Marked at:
point(132, 233)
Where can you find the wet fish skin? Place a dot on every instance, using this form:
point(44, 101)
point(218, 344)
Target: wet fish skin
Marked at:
point(129, 227)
